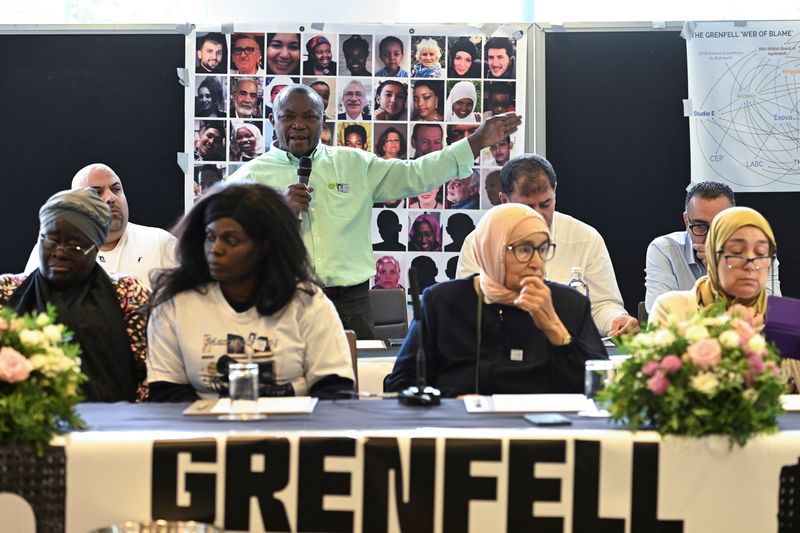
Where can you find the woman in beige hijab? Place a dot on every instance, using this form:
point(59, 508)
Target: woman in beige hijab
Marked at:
point(508, 329)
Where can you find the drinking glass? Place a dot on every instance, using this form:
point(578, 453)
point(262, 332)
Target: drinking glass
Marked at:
point(598, 374)
point(243, 391)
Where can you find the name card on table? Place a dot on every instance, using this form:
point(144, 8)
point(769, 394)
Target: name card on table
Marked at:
point(528, 403)
point(790, 402)
point(370, 344)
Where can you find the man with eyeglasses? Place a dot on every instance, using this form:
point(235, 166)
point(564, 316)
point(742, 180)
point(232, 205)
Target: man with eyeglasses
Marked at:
point(129, 248)
point(354, 99)
point(677, 260)
point(246, 54)
point(531, 180)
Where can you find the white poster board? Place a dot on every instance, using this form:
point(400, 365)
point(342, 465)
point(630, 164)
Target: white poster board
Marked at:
point(743, 111)
point(284, 53)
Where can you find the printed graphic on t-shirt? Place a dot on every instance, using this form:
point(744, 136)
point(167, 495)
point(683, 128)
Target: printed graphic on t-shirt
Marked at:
point(219, 352)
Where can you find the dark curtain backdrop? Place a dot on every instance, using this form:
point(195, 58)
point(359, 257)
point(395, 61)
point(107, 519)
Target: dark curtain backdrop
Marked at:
point(70, 100)
point(619, 142)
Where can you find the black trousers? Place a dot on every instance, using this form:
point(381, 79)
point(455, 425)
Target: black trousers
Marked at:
point(352, 304)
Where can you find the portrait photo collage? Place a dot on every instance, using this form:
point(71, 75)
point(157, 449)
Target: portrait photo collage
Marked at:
point(398, 96)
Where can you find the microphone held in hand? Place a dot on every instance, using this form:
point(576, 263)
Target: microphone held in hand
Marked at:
point(303, 172)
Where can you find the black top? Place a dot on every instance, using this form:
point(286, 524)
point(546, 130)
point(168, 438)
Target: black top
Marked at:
point(92, 311)
point(308, 69)
point(450, 311)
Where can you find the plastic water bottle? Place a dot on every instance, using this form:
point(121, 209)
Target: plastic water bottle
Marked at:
point(577, 282)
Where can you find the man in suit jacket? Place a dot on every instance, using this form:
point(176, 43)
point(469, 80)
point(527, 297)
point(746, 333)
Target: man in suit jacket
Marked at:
point(354, 102)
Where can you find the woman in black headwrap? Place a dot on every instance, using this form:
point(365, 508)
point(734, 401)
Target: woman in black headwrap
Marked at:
point(464, 60)
point(107, 314)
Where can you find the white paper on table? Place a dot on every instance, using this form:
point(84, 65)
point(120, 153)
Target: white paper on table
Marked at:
point(791, 402)
point(528, 403)
point(368, 344)
point(273, 406)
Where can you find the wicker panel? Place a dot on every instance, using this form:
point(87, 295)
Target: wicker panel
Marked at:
point(41, 481)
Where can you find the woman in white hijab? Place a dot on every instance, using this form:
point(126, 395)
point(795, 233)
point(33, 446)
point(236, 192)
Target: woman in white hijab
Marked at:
point(461, 103)
point(247, 142)
point(506, 330)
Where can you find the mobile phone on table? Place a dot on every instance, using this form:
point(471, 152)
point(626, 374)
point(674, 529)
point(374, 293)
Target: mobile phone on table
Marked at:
point(548, 419)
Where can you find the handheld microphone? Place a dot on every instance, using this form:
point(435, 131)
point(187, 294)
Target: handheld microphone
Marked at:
point(419, 394)
point(303, 172)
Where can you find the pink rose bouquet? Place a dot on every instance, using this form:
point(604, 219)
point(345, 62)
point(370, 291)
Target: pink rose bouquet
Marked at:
point(40, 376)
point(716, 375)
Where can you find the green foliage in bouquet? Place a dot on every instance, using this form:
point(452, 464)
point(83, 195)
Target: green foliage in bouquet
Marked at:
point(711, 374)
point(40, 375)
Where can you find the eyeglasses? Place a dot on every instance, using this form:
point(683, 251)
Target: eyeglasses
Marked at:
point(738, 261)
point(699, 229)
point(246, 50)
point(353, 94)
point(523, 252)
point(70, 251)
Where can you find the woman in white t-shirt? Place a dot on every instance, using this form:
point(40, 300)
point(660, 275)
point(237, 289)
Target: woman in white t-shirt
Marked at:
point(243, 289)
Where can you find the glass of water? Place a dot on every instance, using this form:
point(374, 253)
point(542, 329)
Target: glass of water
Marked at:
point(598, 374)
point(243, 391)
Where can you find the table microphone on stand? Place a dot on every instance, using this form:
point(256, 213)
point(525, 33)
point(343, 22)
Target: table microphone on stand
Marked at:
point(419, 394)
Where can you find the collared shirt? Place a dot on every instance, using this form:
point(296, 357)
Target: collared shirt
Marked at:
point(671, 265)
point(577, 245)
point(346, 182)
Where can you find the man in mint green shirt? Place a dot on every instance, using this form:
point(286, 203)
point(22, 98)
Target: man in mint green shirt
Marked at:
point(336, 205)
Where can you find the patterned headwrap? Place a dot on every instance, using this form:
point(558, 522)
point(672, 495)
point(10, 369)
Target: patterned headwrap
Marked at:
point(315, 41)
point(82, 208)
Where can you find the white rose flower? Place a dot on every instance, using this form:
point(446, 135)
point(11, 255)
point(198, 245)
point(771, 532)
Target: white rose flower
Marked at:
point(53, 332)
point(644, 340)
point(38, 361)
point(45, 365)
point(751, 395)
point(31, 338)
point(729, 339)
point(42, 320)
point(55, 351)
point(663, 338)
point(715, 321)
point(705, 382)
point(756, 343)
point(695, 333)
